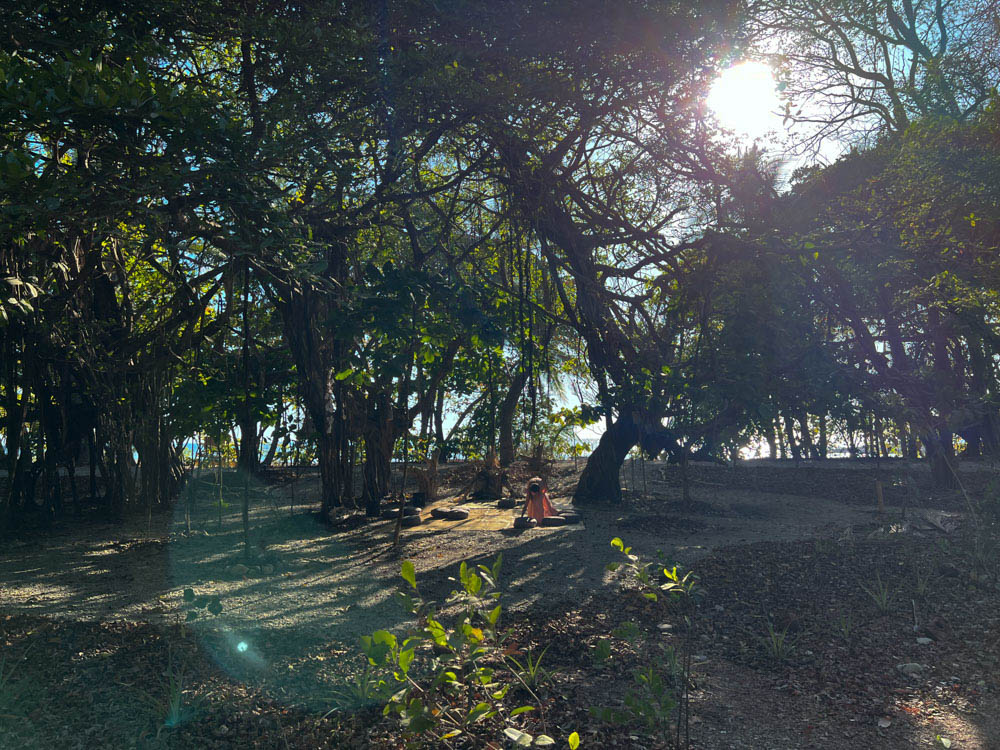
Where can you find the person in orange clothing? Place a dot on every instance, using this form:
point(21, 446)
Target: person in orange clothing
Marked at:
point(536, 501)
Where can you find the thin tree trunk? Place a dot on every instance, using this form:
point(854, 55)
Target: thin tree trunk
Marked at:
point(823, 441)
point(506, 422)
point(809, 449)
point(790, 434)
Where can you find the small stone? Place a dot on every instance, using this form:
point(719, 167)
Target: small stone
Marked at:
point(910, 669)
point(665, 626)
point(699, 658)
point(239, 570)
point(267, 569)
point(925, 641)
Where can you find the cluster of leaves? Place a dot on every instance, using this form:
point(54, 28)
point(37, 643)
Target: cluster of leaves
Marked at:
point(658, 687)
point(447, 673)
point(194, 606)
point(676, 584)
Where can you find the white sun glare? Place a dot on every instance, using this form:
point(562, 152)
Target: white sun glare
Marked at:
point(745, 99)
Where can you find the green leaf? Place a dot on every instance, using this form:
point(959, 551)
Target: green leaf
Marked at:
point(522, 710)
point(574, 741)
point(189, 595)
point(344, 374)
point(215, 606)
point(384, 636)
point(408, 573)
point(618, 544)
point(192, 615)
point(478, 711)
point(405, 658)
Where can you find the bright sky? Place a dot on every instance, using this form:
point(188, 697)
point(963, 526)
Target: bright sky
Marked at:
point(744, 99)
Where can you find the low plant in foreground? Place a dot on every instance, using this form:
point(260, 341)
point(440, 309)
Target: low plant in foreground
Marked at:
point(169, 703)
point(194, 606)
point(445, 683)
point(11, 688)
point(922, 580)
point(680, 588)
point(601, 653)
point(531, 672)
point(657, 698)
point(880, 593)
point(845, 627)
point(367, 688)
point(777, 643)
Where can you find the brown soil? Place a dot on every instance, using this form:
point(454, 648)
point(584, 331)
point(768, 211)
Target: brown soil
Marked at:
point(91, 616)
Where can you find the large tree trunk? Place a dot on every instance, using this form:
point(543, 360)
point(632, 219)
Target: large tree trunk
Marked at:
point(300, 310)
point(599, 481)
point(380, 439)
point(772, 444)
point(941, 457)
point(329, 472)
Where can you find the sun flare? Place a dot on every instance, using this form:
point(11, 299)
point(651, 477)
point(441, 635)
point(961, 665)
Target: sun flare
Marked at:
point(745, 99)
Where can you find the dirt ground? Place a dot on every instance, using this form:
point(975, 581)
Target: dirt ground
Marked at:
point(91, 614)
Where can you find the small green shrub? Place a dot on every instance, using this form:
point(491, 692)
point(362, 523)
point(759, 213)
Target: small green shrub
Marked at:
point(922, 578)
point(656, 699)
point(195, 606)
point(777, 643)
point(365, 689)
point(169, 703)
point(880, 593)
point(679, 587)
point(845, 627)
point(531, 672)
point(12, 688)
point(601, 653)
point(445, 686)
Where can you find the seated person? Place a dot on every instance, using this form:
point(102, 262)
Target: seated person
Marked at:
point(536, 501)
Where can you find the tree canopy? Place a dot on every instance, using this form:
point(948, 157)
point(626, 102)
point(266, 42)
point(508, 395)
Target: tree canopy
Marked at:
point(367, 230)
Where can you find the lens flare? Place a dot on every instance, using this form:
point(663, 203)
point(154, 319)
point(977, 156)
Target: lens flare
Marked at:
point(745, 100)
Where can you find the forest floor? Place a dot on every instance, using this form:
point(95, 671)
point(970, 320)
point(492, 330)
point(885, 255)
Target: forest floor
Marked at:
point(92, 616)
